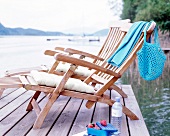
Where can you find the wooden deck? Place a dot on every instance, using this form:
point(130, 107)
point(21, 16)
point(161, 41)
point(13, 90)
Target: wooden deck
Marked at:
point(68, 116)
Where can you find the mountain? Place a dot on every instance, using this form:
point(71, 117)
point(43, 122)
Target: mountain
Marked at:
point(21, 31)
point(102, 32)
point(3, 30)
point(81, 30)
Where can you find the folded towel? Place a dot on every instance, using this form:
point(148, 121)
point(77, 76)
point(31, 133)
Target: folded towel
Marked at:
point(127, 44)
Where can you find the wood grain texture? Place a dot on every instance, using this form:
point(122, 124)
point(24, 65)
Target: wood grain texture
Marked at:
point(67, 116)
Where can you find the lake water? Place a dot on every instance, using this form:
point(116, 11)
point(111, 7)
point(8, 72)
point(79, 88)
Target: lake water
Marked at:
point(28, 51)
point(153, 97)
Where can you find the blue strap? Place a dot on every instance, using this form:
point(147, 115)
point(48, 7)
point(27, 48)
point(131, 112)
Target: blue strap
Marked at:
point(156, 39)
point(146, 28)
point(127, 44)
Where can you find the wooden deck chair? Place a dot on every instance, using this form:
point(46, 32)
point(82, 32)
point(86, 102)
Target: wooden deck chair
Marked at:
point(112, 38)
point(66, 86)
point(111, 43)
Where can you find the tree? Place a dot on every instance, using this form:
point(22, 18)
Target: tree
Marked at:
point(129, 9)
point(157, 10)
point(116, 6)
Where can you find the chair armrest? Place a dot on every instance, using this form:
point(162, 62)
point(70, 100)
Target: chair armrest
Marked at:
point(80, 62)
point(74, 51)
point(50, 52)
point(59, 48)
point(20, 71)
point(53, 52)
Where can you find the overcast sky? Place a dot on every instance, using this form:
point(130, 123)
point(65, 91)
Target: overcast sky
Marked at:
point(56, 15)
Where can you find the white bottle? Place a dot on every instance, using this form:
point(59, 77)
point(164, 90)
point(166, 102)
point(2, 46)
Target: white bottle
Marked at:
point(116, 115)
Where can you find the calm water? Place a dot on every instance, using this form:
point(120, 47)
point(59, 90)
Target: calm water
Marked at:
point(27, 51)
point(153, 97)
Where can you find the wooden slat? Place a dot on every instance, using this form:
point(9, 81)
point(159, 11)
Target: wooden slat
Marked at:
point(66, 117)
point(80, 95)
point(11, 97)
point(21, 128)
point(23, 79)
point(124, 127)
point(59, 48)
point(87, 96)
point(1, 91)
point(65, 120)
point(101, 111)
point(98, 79)
point(54, 113)
point(53, 68)
point(128, 90)
point(69, 59)
point(31, 80)
point(83, 118)
point(20, 71)
point(36, 107)
point(6, 92)
point(74, 51)
point(10, 82)
point(44, 89)
point(135, 126)
point(14, 105)
point(119, 90)
point(7, 123)
point(119, 23)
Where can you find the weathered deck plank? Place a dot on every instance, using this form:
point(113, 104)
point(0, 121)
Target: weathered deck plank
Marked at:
point(66, 119)
point(7, 92)
point(102, 111)
point(67, 116)
point(10, 121)
point(83, 118)
point(135, 126)
point(5, 111)
point(124, 127)
point(55, 112)
point(13, 95)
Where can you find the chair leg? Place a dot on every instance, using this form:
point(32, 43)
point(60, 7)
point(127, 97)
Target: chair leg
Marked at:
point(117, 89)
point(35, 97)
point(125, 110)
point(89, 104)
point(41, 117)
point(1, 91)
point(129, 113)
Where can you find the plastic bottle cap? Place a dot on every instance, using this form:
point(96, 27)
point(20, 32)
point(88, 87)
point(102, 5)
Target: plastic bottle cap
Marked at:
point(117, 99)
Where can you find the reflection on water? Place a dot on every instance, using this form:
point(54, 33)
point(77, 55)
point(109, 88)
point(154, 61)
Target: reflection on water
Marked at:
point(153, 98)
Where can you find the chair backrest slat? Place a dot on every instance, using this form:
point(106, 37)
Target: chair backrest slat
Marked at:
point(112, 40)
point(130, 58)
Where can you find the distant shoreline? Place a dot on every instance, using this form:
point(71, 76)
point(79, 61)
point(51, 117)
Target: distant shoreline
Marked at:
point(28, 51)
point(35, 32)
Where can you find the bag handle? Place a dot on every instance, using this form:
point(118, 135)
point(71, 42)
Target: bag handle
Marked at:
point(156, 39)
